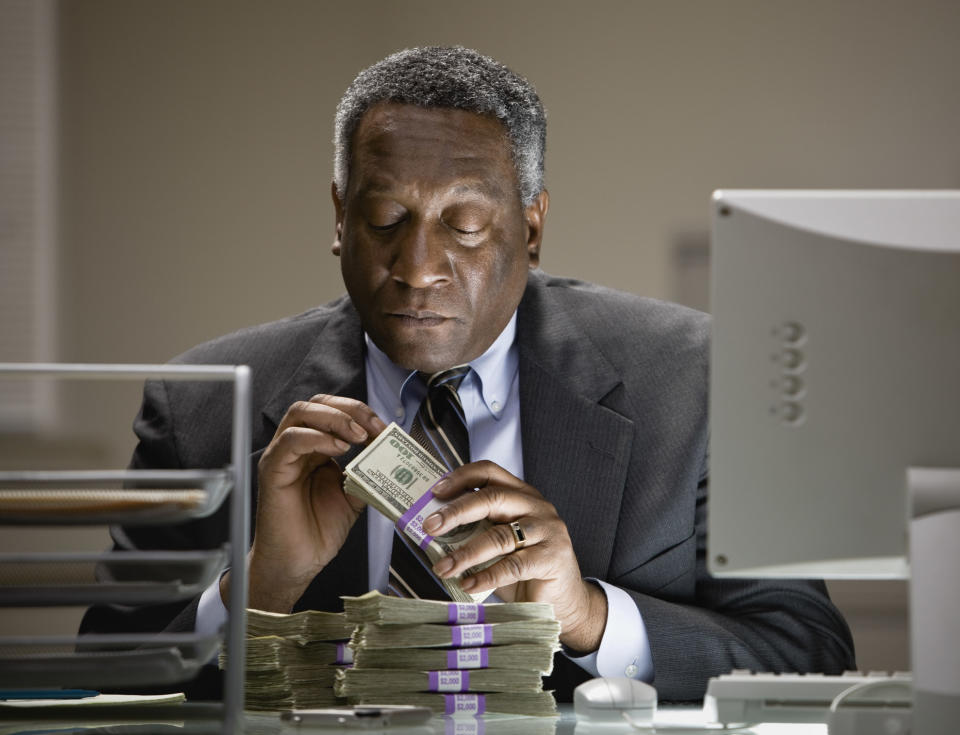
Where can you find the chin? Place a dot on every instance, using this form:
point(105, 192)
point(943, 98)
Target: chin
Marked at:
point(423, 359)
point(430, 365)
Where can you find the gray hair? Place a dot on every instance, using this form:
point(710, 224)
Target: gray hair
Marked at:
point(449, 77)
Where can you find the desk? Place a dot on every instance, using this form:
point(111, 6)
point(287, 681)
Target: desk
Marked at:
point(205, 719)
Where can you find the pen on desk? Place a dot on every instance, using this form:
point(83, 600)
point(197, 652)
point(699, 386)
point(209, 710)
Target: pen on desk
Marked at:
point(47, 693)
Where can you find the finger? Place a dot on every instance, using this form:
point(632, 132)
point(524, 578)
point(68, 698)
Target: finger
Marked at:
point(496, 503)
point(328, 416)
point(532, 563)
point(478, 475)
point(294, 443)
point(357, 410)
point(498, 540)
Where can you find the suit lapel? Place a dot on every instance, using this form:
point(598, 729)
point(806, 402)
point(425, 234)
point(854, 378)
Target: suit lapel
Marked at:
point(334, 365)
point(576, 450)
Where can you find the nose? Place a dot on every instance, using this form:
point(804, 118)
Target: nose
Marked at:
point(421, 257)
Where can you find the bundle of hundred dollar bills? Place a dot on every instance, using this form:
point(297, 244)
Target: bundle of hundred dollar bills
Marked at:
point(457, 658)
point(292, 660)
point(394, 474)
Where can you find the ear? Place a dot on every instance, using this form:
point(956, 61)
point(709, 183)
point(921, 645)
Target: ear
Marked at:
point(338, 212)
point(535, 215)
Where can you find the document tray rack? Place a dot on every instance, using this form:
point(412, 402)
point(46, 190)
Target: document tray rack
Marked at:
point(132, 497)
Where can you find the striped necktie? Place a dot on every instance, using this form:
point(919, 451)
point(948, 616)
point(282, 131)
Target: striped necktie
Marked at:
point(439, 427)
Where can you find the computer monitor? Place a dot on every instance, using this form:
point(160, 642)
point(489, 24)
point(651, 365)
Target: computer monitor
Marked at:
point(835, 403)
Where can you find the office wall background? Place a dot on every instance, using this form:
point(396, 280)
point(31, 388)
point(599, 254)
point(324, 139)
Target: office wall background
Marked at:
point(195, 156)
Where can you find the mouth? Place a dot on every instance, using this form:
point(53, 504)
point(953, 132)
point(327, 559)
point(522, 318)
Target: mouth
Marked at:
point(418, 318)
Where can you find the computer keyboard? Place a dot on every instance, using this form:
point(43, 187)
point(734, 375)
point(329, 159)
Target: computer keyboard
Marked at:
point(743, 696)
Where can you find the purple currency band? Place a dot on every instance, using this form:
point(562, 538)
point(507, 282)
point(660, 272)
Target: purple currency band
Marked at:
point(468, 636)
point(344, 654)
point(464, 612)
point(411, 522)
point(465, 704)
point(449, 681)
point(468, 658)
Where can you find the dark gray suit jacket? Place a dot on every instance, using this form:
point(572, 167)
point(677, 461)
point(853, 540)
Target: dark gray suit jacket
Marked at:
point(613, 406)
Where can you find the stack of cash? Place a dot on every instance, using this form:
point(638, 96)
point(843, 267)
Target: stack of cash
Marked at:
point(469, 658)
point(303, 627)
point(292, 659)
point(394, 475)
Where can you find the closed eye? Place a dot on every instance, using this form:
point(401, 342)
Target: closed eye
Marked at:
point(467, 229)
point(468, 220)
point(384, 228)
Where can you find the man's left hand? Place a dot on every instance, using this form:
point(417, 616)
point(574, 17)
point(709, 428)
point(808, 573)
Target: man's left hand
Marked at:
point(545, 569)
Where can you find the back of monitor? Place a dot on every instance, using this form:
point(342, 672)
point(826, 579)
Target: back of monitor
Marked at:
point(835, 367)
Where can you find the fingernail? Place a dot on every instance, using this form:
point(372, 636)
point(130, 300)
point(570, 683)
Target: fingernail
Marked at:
point(440, 485)
point(432, 523)
point(357, 430)
point(341, 445)
point(468, 584)
point(443, 566)
point(378, 424)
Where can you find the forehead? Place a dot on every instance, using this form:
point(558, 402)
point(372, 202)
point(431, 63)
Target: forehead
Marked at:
point(402, 146)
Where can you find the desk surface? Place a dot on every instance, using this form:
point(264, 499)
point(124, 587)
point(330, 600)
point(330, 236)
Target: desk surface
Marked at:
point(204, 720)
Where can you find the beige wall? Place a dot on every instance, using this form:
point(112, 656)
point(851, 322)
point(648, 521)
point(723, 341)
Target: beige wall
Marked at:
point(196, 154)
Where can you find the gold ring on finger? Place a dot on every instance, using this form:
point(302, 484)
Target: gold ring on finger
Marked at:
point(519, 537)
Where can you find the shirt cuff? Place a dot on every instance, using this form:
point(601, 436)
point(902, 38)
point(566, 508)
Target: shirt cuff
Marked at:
point(211, 612)
point(624, 649)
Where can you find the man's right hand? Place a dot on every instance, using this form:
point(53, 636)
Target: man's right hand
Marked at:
point(303, 515)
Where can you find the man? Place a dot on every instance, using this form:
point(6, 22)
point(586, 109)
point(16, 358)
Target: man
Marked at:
point(586, 408)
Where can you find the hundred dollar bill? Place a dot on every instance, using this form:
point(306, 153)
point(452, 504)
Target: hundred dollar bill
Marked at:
point(394, 475)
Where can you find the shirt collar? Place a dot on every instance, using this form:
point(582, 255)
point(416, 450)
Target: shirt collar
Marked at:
point(496, 369)
point(494, 372)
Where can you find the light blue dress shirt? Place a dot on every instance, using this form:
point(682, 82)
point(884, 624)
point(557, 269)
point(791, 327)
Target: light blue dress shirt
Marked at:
point(490, 398)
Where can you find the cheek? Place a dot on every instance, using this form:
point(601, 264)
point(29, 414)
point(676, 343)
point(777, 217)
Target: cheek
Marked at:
point(496, 285)
point(360, 267)
point(513, 263)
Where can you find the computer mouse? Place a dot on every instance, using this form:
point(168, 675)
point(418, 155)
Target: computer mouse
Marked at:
point(614, 699)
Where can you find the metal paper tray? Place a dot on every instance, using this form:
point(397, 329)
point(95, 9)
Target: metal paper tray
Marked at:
point(102, 661)
point(123, 577)
point(131, 497)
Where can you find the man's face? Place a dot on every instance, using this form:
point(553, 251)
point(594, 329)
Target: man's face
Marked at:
point(434, 242)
